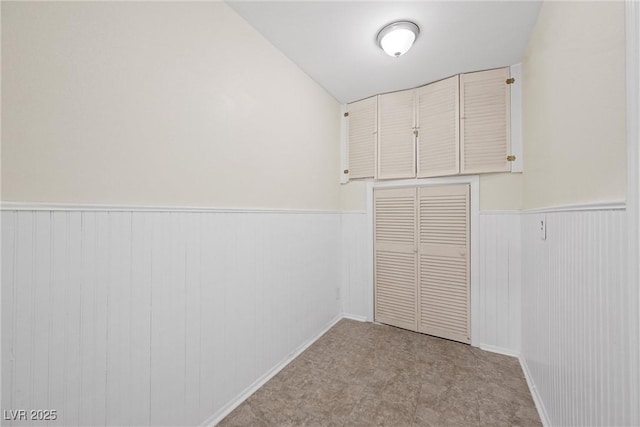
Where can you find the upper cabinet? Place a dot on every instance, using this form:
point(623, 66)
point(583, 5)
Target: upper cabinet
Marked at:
point(362, 129)
point(484, 121)
point(396, 135)
point(459, 125)
point(438, 124)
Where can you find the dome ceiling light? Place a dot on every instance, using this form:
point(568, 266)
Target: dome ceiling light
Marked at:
point(398, 37)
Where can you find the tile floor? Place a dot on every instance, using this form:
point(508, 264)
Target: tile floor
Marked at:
point(362, 374)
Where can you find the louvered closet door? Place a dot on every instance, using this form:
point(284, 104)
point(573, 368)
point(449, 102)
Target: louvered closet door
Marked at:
point(362, 125)
point(484, 121)
point(438, 128)
point(396, 140)
point(444, 261)
point(395, 257)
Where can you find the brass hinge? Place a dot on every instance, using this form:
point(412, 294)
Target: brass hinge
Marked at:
point(511, 158)
point(346, 171)
point(346, 114)
point(511, 80)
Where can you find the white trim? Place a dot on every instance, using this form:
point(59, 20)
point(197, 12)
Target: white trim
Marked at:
point(499, 350)
point(632, 43)
point(344, 145)
point(595, 206)
point(499, 212)
point(47, 206)
point(369, 249)
point(473, 181)
point(542, 412)
point(244, 395)
point(37, 206)
point(516, 117)
point(417, 182)
point(355, 317)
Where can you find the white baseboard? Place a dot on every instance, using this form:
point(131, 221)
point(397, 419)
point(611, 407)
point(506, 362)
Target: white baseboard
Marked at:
point(244, 395)
point(354, 317)
point(542, 412)
point(499, 350)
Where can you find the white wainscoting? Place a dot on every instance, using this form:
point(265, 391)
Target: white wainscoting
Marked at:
point(580, 318)
point(500, 280)
point(157, 318)
point(357, 267)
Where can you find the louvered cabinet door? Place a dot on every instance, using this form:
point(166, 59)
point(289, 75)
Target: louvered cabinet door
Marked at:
point(438, 122)
point(396, 140)
point(362, 125)
point(484, 121)
point(443, 296)
point(395, 257)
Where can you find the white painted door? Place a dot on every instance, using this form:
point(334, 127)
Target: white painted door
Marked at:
point(484, 122)
point(396, 138)
point(444, 292)
point(438, 124)
point(422, 278)
point(395, 257)
point(362, 119)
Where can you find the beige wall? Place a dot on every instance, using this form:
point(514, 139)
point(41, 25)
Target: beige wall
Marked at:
point(159, 104)
point(353, 196)
point(574, 105)
point(501, 191)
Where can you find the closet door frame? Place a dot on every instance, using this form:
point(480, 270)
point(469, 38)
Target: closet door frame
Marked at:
point(474, 221)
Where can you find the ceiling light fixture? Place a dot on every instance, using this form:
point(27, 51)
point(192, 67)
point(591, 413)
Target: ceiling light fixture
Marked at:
point(397, 38)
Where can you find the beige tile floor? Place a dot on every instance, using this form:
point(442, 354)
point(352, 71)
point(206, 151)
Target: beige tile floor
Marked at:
point(362, 374)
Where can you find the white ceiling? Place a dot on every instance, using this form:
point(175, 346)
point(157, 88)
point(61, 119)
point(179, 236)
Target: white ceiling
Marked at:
point(335, 41)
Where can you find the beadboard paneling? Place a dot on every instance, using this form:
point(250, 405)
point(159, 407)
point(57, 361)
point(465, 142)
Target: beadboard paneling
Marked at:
point(579, 318)
point(357, 266)
point(157, 318)
point(500, 279)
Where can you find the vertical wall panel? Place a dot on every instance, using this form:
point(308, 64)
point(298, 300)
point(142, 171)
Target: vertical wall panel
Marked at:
point(141, 282)
point(141, 318)
point(500, 278)
point(23, 316)
point(167, 321)
point(72, 320)
point(57, 322)
point(357, 265)
point(192, 325)
point(42, 306)
point(9, 241)
point(87, 325)
point(578, 314)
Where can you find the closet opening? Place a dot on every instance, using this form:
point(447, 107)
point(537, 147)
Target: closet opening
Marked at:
point(423, 255)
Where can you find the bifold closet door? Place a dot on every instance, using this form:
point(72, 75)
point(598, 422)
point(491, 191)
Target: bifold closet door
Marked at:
point(395, 257)
point(443, 296)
